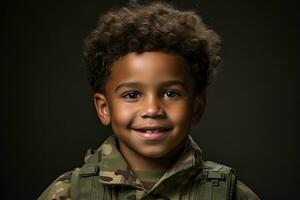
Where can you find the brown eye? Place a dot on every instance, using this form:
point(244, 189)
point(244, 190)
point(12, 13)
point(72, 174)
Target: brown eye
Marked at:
point(169, 94)
point(131, 96)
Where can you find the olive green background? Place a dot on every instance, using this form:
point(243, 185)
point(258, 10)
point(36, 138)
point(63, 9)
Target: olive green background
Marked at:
point(48, 119)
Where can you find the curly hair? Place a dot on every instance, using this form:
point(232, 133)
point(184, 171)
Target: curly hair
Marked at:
point(155, 26)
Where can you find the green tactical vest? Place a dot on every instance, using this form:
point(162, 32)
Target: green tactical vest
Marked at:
point(214, 182)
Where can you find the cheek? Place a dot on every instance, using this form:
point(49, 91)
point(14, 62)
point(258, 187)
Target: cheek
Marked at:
point(121, 114)
point(181, 113)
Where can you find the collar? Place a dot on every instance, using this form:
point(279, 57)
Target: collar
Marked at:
point(115, 170)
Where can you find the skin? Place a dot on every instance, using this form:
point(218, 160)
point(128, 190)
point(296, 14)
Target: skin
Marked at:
point(151, 89)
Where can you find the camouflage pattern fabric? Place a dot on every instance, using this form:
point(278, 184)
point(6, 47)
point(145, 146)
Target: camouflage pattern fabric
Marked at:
point(149, 178)
point(124, 184)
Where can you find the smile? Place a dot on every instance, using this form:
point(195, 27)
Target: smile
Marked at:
point(153, 133)
point(147, 130)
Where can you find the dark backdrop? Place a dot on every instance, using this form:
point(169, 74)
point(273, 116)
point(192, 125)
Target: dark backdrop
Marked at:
point(48, 119)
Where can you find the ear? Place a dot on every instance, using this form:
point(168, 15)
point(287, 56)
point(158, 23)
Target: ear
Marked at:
point(199, 106)
point(102, 108)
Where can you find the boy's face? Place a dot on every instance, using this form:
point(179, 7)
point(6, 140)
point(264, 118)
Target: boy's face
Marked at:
point(150, 102)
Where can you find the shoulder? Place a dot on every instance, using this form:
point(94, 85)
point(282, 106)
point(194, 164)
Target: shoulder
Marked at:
point(243, 192)
point(59, 189)
point(240, 190)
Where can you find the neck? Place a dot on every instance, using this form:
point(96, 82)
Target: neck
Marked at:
point(137, 161)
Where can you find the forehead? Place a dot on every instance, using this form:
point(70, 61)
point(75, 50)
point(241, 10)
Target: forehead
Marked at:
point(149, 68)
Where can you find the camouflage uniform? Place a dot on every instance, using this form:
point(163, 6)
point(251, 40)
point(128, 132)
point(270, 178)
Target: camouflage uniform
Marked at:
point(124, 184)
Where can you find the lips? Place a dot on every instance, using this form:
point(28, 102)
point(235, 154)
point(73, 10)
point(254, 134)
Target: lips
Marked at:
point(152, 130)
point(152, 133)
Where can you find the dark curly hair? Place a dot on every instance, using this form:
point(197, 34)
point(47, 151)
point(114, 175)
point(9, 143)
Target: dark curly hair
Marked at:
point(155, 26)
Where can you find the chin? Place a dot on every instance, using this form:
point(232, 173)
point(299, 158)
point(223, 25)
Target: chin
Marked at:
point(153, 154)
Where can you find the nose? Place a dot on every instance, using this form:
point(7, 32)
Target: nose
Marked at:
point(152, 108)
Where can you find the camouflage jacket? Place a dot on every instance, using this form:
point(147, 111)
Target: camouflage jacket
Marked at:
point(124, 184)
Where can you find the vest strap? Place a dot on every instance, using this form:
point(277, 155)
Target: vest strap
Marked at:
point(215, 182)
point(88, 170)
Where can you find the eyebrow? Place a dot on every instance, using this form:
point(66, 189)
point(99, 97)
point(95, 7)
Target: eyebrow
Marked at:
point(164, 84)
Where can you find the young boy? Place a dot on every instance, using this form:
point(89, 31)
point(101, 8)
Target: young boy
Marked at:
point(149, 66)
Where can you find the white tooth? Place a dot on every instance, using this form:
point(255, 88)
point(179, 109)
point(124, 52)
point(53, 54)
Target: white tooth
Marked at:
point(149, 131)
